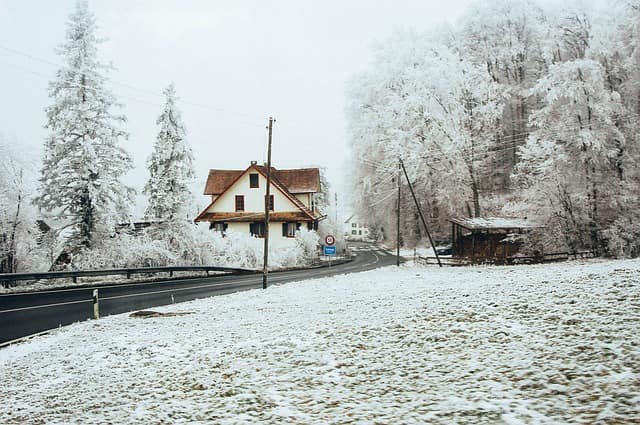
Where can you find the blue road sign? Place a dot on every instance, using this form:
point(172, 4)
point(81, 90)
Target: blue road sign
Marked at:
point(329, 250)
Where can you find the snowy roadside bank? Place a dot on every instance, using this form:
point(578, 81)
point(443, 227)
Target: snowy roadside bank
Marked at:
point(550, 343)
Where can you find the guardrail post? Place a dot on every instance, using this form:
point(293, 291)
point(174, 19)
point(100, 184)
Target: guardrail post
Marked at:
point(171, 273)
point(74, 278)
point(128, 274)
point(96, 306)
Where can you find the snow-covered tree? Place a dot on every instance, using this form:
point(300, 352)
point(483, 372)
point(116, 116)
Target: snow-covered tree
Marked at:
point(438, 112)
point(505, 37)
point(12, 211)
point(325, 206)
point(83, 163)
point(21, 244)
point(170, 166)
point(547, 95)
point(573, 147)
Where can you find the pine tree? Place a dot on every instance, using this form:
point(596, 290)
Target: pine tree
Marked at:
point(83, 162)
point(170, 166)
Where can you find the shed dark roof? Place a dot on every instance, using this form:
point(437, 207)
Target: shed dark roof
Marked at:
point(495, 223)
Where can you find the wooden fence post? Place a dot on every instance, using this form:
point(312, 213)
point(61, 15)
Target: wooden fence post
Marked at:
point(96, 307)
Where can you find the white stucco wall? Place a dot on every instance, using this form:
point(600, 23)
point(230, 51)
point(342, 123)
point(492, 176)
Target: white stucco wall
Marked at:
point(276, 239)
point(305, 198)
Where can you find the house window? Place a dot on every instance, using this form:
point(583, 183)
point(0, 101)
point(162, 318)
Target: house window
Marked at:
point(239, 202)
point(289, 229)
point(353, 232)
point(270, 202)
point(359, 232)
point(257, 229)
point(253, 180)
point(219, 226)
point(354, 225)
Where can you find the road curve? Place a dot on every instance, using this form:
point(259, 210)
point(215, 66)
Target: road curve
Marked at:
point(29, 313)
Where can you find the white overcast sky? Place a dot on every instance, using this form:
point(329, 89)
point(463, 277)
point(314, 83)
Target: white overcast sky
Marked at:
point(234, 64)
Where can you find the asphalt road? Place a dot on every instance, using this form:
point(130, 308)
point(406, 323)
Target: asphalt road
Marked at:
point(29, 313)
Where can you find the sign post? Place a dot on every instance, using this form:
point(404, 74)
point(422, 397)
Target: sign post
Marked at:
point(329, 250)
point(329, 247)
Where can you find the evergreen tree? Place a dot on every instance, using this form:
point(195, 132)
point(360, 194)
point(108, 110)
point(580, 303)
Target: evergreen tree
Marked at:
point(83, 162)
point(170, 166)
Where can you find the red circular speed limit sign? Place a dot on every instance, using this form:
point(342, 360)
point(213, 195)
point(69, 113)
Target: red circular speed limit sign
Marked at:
point(329, 240)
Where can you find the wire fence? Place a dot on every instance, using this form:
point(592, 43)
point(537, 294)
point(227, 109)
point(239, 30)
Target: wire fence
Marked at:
point(537, 259)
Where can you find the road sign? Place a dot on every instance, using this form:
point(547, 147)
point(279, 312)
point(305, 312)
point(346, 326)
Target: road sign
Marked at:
point(329, 250)
point(330, 240)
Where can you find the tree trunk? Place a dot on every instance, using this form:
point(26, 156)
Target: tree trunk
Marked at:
point(86, 224)
point(592, 199)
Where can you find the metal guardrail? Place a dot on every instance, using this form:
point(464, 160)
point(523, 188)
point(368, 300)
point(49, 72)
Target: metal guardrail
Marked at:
point(75, 274)
point(7, 278)
point(546, 258)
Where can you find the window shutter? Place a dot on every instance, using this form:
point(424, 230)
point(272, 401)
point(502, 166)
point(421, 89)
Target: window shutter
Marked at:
point(284, 229)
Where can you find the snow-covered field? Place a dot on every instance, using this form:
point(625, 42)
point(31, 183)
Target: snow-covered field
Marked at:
point(528, 344)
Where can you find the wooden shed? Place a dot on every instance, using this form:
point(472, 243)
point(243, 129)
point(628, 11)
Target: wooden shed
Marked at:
point(488, 239)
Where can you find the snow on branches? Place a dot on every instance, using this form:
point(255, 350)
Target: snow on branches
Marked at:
point(80, 179)
point(518, 109)
point(170, 166)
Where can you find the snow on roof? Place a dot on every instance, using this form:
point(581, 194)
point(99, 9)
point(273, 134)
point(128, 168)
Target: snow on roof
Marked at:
point(489, 223)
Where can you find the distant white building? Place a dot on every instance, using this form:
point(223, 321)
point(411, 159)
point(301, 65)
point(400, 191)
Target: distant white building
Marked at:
point(357, 229)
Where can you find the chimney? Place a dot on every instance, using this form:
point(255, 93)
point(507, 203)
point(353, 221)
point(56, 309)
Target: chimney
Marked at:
point(254, 162)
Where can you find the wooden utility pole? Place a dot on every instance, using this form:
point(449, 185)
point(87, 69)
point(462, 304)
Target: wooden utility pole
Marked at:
point(267, 198)
point(424, 222)
point(398, 223)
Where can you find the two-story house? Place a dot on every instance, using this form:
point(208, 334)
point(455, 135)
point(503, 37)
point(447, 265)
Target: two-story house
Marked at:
point(238, 201)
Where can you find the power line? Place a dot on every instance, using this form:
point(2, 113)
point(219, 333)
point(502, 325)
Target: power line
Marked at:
point(388, 195)
point(499, 147)
point(127, 86)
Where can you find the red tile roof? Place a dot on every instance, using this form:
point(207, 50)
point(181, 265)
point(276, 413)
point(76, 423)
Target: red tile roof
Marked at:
point(300, 180)
point(219, 180)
